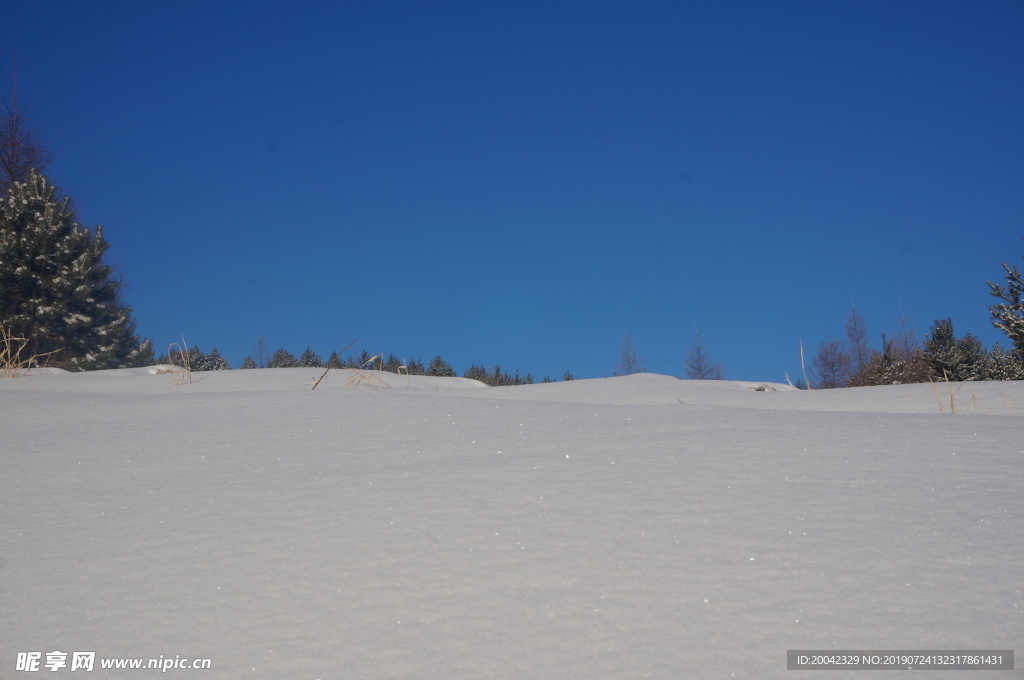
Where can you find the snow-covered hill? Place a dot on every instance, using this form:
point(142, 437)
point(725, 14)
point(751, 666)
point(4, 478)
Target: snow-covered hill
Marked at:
point(436, 528)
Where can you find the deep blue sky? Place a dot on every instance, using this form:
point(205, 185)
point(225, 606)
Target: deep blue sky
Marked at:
point(522, 182)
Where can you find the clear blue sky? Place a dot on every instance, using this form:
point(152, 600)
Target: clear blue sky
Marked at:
point(521, 182)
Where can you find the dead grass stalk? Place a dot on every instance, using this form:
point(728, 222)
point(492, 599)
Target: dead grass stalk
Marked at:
point(12, 363)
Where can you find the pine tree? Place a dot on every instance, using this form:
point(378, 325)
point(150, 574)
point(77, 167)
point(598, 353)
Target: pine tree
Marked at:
point(1000, 364)
point(248, 362)
point(55, 289)
point(216, 362)
point(310, 359)
point(880, 370)
point(949, 358)
point(475, 372)
point(1008, 316)
point(889, 368)
point(440, 367)
point(198, 361)
point(282, 358)
point(567, 376)
point(498, 378)
point(143, 356)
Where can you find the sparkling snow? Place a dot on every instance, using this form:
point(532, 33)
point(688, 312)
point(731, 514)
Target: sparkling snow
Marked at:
point(616, 528)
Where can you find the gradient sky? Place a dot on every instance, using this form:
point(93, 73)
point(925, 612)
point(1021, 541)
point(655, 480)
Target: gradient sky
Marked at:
point(523, 182)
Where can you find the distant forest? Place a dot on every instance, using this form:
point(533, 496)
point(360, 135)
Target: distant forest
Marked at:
point(61, 304)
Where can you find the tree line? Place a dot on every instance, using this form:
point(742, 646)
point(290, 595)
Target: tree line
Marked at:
point(941, 356)
point(197, 360)
point(62, 300)
point(902, 359)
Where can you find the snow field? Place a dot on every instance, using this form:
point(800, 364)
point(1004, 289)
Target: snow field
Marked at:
point(615, 528)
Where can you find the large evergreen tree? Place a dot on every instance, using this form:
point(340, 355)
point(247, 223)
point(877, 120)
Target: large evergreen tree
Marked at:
point(55, 288)
point(1008, 316)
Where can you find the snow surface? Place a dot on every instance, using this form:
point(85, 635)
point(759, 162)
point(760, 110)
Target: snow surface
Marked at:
point(636, 527)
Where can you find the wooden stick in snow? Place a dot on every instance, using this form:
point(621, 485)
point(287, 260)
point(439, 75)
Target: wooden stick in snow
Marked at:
point(324, 374)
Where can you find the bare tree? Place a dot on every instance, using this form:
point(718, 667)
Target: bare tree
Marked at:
point(629, 359)
point(905, 340)
point(260, 352)
point(698, 365)
point(858, 348)
point(831, 366)
point(21, 146)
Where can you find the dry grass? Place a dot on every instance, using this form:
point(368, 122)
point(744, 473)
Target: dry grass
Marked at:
point(12, 363)
point(186, 364)
point(360, 377)
point(362, 374)
point(1008, 404)
point(952, 394)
